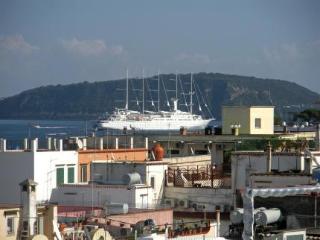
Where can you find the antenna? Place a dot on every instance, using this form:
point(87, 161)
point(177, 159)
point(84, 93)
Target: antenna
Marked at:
point(127, 91)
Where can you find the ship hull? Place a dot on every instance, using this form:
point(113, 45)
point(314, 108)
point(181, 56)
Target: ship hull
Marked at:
point(155, 125)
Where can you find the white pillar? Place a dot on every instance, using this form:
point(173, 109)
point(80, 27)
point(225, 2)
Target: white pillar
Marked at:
point(60, 145)
point(146, 143)
point(49, 143)
point(84, 144)
point(25, 144)
point(101, 143)
point(131, 142)
point(117, 143)
point(34, 145)
point(3, 145)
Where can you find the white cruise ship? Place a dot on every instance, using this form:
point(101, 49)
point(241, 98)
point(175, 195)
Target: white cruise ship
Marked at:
point(154, 121)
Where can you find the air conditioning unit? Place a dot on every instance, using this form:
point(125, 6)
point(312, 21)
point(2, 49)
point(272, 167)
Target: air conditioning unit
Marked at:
point(201, 207)
point(183, 203)
point(169, 202)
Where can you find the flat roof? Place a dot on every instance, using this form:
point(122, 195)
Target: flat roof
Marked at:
point(226, 106)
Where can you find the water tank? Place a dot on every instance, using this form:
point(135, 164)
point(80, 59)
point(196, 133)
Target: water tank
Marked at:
point(267, 216)
point(38, 237)
point(236, 216)
point(316, 174)
point(116, 208)
point(131, 178)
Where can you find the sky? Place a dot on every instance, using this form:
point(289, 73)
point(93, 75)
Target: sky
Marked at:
point(45, 42)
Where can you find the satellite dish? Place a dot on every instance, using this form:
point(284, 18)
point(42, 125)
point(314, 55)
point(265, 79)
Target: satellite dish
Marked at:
point(80, 144)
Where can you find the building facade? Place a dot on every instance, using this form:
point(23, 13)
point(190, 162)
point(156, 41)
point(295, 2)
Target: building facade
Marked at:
point(249, 120)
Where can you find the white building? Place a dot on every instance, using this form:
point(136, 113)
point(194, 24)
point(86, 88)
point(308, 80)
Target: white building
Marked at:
point(138, 184)
point(250, 168)
point(137, 196)
point(47, 168)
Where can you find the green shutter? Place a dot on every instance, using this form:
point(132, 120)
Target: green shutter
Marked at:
point(71, 175)
point(60, 176)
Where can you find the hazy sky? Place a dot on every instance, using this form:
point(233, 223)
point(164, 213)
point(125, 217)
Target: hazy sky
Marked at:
point(55, 42)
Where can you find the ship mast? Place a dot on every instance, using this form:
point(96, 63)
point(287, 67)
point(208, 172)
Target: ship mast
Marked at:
point(191, 93)
point(158, 91)
point(176, 86)
point(142, 91)
point(127, 91)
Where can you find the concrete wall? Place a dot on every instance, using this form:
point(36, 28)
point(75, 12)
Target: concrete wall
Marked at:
point(108, 172)
point(274, 180)
point(160, 217)
point(16, 166)
point(45, 165)
point(158, 173)
point(209, 197)
point(245, 163)
point(98, 195)
point(196, 160)
point(266, 114)
point(114, 172)
point(86, 157)
point(245, 116)
point(39, 166)
point(235, 115)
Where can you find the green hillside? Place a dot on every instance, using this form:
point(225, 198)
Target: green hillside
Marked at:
point(90, 100)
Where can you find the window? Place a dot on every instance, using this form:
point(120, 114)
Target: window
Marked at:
point(70, 174)
point(83, 173)
point(60, 176)
point(257, 122)
point(152, 182)
point(10, 225)
point(296, 237)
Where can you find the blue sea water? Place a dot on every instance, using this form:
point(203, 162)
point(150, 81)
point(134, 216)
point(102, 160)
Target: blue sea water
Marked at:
point(16, 130)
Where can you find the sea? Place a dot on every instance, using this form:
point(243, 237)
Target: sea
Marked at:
point(14, 131)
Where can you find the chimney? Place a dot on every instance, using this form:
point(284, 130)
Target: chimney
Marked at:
point(34, 145)
point(117, 143)
point(29, 208)
point(131, 142)
point(60, 145)
point(3, 145)
point(25, 144)
point(269, 157)
point(101, 143)
point(49, 143)
point(318, 137)
point(84, 144)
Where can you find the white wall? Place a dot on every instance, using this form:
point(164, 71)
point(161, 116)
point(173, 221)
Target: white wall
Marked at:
point(274, 180)
point(244, 164)
point(40, 166)
point(114, 172)
point(16, 166)
point(98, 195)
point(158, 173)
point(209, 197)
point(45, 165)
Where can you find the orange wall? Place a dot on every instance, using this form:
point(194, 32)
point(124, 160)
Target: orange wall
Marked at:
point(87, 156)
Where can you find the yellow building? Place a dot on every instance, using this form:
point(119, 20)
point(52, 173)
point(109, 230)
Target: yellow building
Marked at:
point(247, 119)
